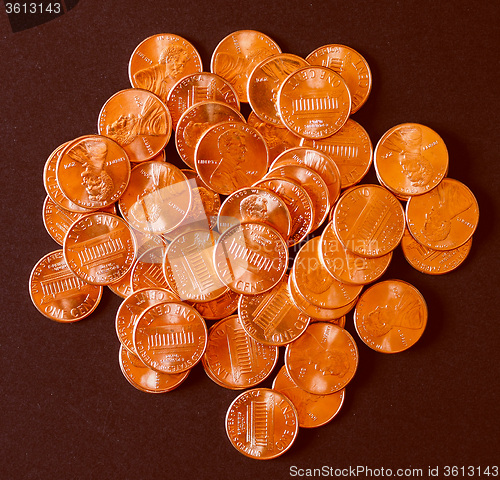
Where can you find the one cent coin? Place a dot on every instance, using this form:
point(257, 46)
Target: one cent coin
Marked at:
point(160, 61)
point(147, 271)
point(230, 156)
point(238, 54)
point(170, 337)
point(390, 316)
point(100, 248)
point(58, 293)
point(220, 307)
point(323, 360)
point(411, 159)
point(262, 423)
point(313, 410)
point(233, 359)
point(444, 218)
point(137, 120)
point(314, 102)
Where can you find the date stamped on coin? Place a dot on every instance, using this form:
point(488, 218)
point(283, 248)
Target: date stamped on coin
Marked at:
point(24, 15)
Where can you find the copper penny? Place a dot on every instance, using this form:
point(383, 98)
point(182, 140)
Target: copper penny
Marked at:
point(255, 205)
point(313, 410)
point(133, 307)
point(196, 88)
point(138, 121)
point(265, 81)
point(122, 287)
point(444, 218)
point(411, 159)
point(195, 121)
point(318, 314)
point(323, 360)
point(230, 156)
point(433, 262)
point(93, 171)
point(100, 248)
point(170, 337)
point(220, 307)
point(272, 318)
point(316, 284)
point(234, 359)
point(369, 221)
point(147, 271)
point(262, 423)
point(58, 293)
point(52, 187)
point(297, 201)
point(350, 148)
point(390, 316)
point(314, 102)
point(157, 199)
point(251, 258)
point(312, 183)
point(350, 65)
point(316, 160)
point(189, 266)
point(144, 378)
point(160, 61)
point(347, 267)
point(236, 55)
point(278, 138)
point(57, 220)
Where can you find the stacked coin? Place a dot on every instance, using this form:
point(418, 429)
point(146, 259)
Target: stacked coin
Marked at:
point(180, 255)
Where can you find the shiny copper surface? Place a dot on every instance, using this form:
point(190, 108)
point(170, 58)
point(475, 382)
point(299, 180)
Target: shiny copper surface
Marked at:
point(147, 271)
point(219, 308)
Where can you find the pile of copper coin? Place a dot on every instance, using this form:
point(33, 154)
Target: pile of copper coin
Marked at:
point(266, 240)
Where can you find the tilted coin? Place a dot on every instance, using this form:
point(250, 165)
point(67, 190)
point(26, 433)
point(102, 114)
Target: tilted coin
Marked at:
point(314, 185)
point(157, 199)
point(369, 220)
point(272, 318)
point(390, 316)
point(189, 269)
point(144, 378)
point(433, 262)
point(278, 138)
point(350, 148)
point(313, 410)
point(316, 284)
point(170, 337)
point(159, 61)
point(195, 121)
point(255, 204)
point(262, 423)
point(147, 271)
point(137, 120)
point(350, 65)
point(236, 55)
point(58, 293)
point(100, 248)
point(196, 88)
point(265, 81)
point(230, 156)
point(346, 266)
point(251, 258)
point(234, 359)
point(133, 307)
point(316, 160)
point(323, 360)
point(444, 218)
point(297, 201)
point(93, 171)
point(411, 159)
point(314, 102)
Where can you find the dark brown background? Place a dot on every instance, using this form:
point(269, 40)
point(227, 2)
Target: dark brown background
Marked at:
point(67, 410)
